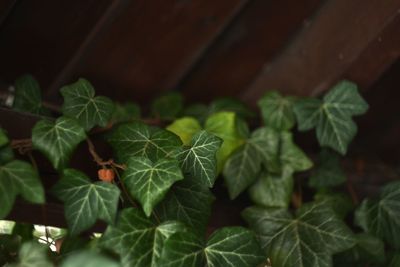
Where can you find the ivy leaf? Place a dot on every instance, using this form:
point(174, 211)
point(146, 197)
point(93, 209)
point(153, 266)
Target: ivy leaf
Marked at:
point(168, 106)
point(138, 139)
point(88, 259)
point(328, 173)
point(189, 202)
point(199, 160)
point(185, 128)
point(273, 190)
point(277, 111)
point(6, 154)
point(198, 111)
point(229, 246)
point(395, 261)
point(19, 177)
point(80, 103)
point(332, 116)
point(310, 239)
point(32, 254)
point(230, 104)
point(382, 217)
point(223, 125)
point(340, 203)
point(85, 202)
point(125, 112)
point(291, 155)
point(27, 96)
point(148, 182)
point(266, 141)
point(3, 138)
point(57, 140)
point(137, 239)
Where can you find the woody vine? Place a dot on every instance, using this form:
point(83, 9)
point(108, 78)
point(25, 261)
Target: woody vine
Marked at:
point(154, 193)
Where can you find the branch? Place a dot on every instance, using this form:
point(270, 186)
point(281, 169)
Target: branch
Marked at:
point(99, 160)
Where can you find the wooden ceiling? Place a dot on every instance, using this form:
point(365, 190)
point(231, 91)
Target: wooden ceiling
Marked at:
point(136, 49)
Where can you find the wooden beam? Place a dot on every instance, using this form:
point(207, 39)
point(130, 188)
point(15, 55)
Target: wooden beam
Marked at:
point(326, 48)
point(6, 7)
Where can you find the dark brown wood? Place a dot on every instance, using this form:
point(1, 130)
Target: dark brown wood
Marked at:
point(6, 7)
point(326, 47)
point(153, 44)
point(255, 37)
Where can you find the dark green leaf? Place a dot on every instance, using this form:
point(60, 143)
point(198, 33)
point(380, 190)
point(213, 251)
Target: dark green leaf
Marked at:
point(185, 128)
point(57, 140)
point(85, 202)
point(309, 240)
point(125, 112)
point(199, 160)
point(277, 111)
point(32, 254)
point(229, 246)
point(168, 106)
point(148, 182)
point(328, 172)
point(188, 202)
point(19, 178)
point(395, 261)
point(6, 154)
point(273, 190)
point(28, 97)
point(266, 141)
point(88, 259)
point(291, 156)
point(138, 240)
point(138, 139)
point(80, 103)
point(24, 231)
point(339, 202)
point(230, 104)
point(3, 138)
point(223, 125)
point(198, 111)
point(332, 116)
point(382, 217)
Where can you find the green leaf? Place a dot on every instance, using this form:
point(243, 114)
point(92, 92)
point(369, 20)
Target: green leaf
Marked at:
point(277, 111)
point(189, 202)
point(309, 240)
point(138, 139)
point(185, 128)
point(32, 254)
point(395, 261)
point(3, 138)
point(229, 246)
point(332, 116)
point(168, 106)
point(198, 111)
point(230, 104)
point(273, 190)
point(148, 182)
point(368, 251)
point(27, 96)
point(125, 112)
point(19, 178)
point(223, 125)
point(328, 172)
point(199, 160)
point(138, 240)
point(85, 202)
point(6, 154)
point(339, 202)
point(266, 141)
point(80, 103)
point(382, 216)
point(291, 156)
point(88, 259)
point(57, 140)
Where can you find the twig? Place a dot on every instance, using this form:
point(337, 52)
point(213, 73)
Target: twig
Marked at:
point(99, 160)
point(352, 192)
point(123, 187)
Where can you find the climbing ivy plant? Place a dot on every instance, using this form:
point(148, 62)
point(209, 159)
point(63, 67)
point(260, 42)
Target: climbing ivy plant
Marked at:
point(155, 192)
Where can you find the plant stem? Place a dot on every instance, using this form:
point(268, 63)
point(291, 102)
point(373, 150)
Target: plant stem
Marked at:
point(123, 187)
point(99, 160)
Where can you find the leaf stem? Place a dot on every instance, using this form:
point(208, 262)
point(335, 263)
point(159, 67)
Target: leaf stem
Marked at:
point(123, 187)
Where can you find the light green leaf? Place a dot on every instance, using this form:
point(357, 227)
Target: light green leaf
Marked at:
point(229, 246)
point(199, 160)
point(328, 173)
point(85, 202)
point(223, 125)
point(138, 139)
point(3, 138)
point(185, 128)
point(57, 140)
point(382, 217)
point(309, 240)
point(291, 156)
point(332, 116)
point(148, 182)
point(138, 240)
point(27, 96)
point(80, 103)
point(32, 254)
point(168, 106)
point(19, 178)
point(277, 111)
point(125, 112)
point(273, 190)
point(88, 259)
point(188, 202)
